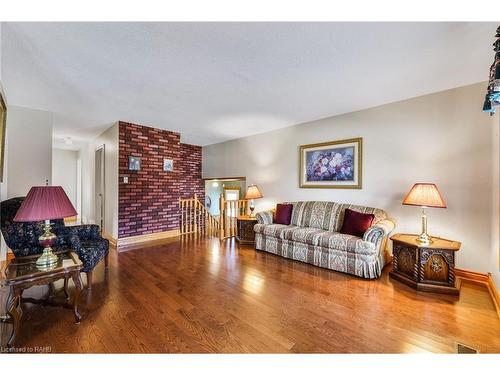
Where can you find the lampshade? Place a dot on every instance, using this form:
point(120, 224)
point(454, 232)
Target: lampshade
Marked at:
point(424, 194)
point(253, 192)
point(45, 203)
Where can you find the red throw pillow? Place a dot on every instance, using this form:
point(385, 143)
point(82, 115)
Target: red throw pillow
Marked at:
point(283, 214)
point(356, 223)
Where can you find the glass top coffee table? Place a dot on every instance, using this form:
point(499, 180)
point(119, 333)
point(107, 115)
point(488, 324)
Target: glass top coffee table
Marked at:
point(22, 273)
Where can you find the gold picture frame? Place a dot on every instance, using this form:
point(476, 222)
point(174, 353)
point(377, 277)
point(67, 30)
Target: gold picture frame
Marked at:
point(3, 122)
point(332, 165)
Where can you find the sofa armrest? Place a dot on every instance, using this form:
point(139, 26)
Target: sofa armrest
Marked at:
point(378, 231)
point(265, 217)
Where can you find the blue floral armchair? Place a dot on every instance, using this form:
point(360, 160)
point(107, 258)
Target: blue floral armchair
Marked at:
point(22, 238)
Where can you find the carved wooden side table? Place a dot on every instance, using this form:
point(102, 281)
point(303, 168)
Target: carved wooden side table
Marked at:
point(22, 273)
point(429, 268)
point(245, 233)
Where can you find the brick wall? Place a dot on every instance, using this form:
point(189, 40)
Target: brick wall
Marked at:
point(190, 180)
point(149, 203)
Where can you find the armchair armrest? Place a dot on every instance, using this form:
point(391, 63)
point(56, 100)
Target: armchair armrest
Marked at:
point(265, 217)
point(66, 240)
point(85, 232)
point(378, 231)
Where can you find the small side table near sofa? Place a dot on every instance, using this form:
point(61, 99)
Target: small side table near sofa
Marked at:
point(429, 267)
point(245, 233)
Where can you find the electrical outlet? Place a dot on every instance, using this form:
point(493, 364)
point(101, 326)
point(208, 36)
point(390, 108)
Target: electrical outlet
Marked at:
point(125, 179)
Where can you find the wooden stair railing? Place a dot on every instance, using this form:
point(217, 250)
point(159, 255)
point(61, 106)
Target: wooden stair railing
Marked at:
point(229, 211)
point(195, 218)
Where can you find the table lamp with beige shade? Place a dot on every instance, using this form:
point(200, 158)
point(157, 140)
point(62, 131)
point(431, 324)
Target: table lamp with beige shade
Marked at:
point(252, 193)
point(424, 195)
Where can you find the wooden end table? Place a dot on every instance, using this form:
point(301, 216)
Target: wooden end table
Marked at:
point(245, 233)
point(429, 268)
point(22, 273)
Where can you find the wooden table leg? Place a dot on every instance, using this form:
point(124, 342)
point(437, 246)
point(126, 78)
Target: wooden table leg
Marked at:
point(78, 288)
point(13, 306)
point(66, 293)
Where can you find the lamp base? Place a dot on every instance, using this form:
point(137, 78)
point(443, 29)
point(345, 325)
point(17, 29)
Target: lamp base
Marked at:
point(252, 208)
point(47, 260)
point(424, 239)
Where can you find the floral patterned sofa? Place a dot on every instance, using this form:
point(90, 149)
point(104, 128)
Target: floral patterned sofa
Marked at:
point(313, 237)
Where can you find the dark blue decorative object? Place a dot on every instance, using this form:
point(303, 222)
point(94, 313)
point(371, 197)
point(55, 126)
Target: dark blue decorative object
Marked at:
point(493, 94)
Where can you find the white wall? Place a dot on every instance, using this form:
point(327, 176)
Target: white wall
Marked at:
point(86, 159)
point(64, 172)
point(29, 160)
point(28, 153)
point(109, 138)
point(443, 138)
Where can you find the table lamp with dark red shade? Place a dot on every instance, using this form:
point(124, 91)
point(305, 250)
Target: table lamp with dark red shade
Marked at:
point(45, 203)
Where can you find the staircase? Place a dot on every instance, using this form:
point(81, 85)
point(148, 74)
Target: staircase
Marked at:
point(195, 218)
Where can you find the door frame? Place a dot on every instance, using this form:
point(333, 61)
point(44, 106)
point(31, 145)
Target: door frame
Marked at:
point(101, 148)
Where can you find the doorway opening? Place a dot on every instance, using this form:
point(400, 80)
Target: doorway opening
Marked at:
point(66, 172)
point(231, 188)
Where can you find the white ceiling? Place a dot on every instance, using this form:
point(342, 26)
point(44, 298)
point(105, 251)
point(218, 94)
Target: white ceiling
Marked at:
point(218, 81)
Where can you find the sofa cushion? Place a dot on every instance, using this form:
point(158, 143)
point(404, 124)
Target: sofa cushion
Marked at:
point(316, 237)
point(356, 223)
point(91, 252)
point(287, 232)
point(328, 215)
point(301, 234)
point(273, 230)
point(327, 239)
point(283, 214)
point(315, 214)
point(344, 242)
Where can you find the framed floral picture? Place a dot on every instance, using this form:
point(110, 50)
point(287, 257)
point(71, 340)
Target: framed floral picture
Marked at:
point(332, 165)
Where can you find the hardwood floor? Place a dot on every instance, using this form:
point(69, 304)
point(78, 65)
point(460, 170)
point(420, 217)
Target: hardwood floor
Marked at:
point(199, 295)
